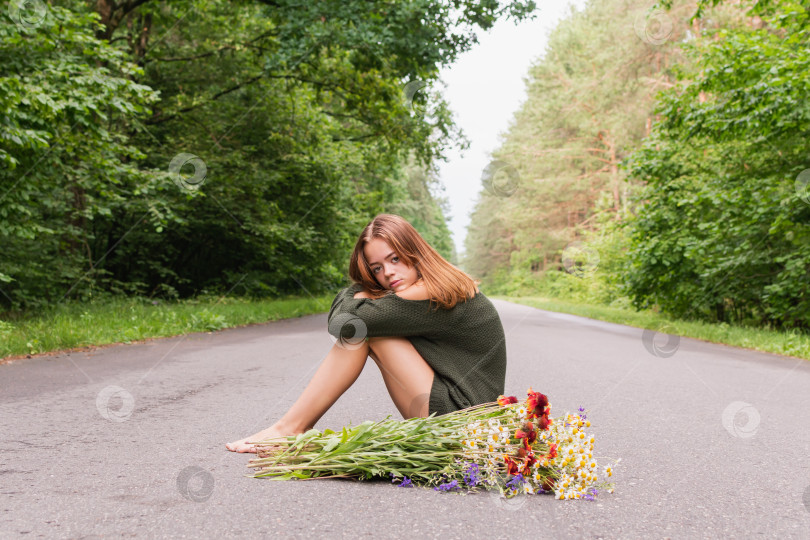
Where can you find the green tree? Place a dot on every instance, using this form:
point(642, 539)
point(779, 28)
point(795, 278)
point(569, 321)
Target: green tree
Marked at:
point(298, 113)
point(68, 102)
point(724, 232)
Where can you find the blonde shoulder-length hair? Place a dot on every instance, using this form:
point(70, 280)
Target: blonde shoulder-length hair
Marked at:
point(445, 284)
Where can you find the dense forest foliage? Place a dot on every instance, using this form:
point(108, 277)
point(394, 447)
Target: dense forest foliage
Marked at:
point(661, 162)
point(167, 148)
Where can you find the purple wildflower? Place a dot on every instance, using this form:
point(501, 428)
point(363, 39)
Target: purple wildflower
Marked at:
point(406, 482)
point(516, 481)
point(450, 486)
point(582, 413)
point(471, 475)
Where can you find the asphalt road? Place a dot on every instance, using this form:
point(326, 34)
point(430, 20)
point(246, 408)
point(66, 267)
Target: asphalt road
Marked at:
point(129, 440)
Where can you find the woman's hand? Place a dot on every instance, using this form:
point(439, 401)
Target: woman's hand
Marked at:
point(417, 291)
point(363, 294)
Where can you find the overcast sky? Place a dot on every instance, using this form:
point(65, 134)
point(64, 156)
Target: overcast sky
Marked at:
point(485, 87)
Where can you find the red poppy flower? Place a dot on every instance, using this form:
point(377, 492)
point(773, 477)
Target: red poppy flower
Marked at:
point(506, 400)
point(511, 466)
point(552, 451)
point(536, 403)
point(548, 483)
point(527, 433)
point(543, 423)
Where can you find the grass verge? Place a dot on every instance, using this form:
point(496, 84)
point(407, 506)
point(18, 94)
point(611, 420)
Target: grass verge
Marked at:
point(794, 344)
point(70, 326)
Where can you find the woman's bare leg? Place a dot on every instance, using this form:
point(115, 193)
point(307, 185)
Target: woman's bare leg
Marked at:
point(407, 375)
point(335, 375)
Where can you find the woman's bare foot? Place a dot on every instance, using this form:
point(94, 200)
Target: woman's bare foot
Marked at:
point(273, 432)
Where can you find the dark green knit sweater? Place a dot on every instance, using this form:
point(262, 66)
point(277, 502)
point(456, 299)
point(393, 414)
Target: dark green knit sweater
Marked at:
point(465, 346)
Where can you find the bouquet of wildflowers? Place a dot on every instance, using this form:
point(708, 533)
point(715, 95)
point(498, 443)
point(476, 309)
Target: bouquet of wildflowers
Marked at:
point(505, 445)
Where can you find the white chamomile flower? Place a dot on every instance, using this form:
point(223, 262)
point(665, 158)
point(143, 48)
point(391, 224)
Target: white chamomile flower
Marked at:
point(527, 488)
point(522, 412)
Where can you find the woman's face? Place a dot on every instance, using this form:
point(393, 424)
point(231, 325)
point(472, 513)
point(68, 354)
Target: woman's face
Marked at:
point(387, 268)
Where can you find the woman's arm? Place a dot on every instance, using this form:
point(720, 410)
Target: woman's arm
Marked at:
point(381, 317)
point(363, 294)
point(417, 291)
